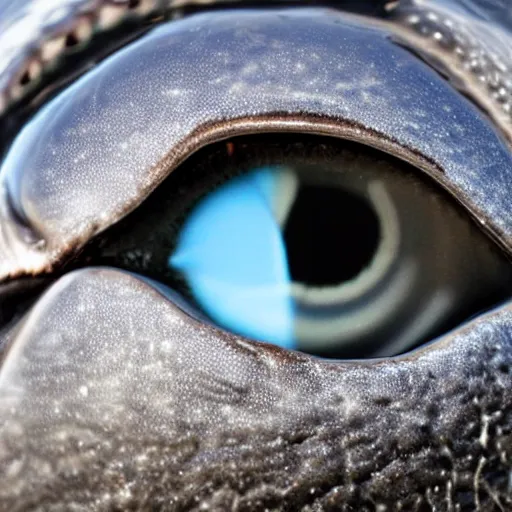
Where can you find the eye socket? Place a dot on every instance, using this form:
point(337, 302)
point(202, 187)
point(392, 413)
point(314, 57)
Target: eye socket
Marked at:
point(315, 244)
point(51, 172)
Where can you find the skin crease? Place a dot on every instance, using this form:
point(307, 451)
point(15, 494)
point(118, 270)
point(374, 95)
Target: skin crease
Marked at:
point(112, 398)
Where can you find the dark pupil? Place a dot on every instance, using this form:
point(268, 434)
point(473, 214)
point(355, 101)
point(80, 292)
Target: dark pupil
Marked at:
point(331, 235)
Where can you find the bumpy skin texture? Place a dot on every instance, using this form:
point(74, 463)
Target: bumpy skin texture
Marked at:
point(112, 398)
point(161, 412)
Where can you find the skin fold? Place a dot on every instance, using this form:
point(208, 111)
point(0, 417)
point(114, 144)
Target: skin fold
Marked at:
point(114, 398)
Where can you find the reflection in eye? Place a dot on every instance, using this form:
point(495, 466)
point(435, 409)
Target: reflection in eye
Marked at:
point(318, 245)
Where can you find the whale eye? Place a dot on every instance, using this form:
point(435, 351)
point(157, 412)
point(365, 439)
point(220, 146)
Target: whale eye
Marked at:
point(335, 184)
point(314, 244)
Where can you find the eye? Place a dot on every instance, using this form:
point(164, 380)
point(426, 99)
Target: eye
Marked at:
point(323, 246)
point(346, 174)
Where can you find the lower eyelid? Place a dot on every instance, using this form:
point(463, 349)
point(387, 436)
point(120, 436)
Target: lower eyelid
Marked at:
point(77, 380)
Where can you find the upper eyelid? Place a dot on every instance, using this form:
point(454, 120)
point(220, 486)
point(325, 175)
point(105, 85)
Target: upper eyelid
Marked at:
point(35, 32)
point(493, 210)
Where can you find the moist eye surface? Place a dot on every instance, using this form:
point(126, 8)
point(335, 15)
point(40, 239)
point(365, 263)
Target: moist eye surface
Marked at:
point(315, 244)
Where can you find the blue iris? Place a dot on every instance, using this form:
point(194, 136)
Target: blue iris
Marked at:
point(232, 253)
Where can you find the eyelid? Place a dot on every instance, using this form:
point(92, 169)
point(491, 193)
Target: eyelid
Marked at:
point(105, 404)
point(469, 44)
point(308, 70)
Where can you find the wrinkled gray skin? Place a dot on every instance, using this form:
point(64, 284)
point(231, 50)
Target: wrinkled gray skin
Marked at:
point(112, 398)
